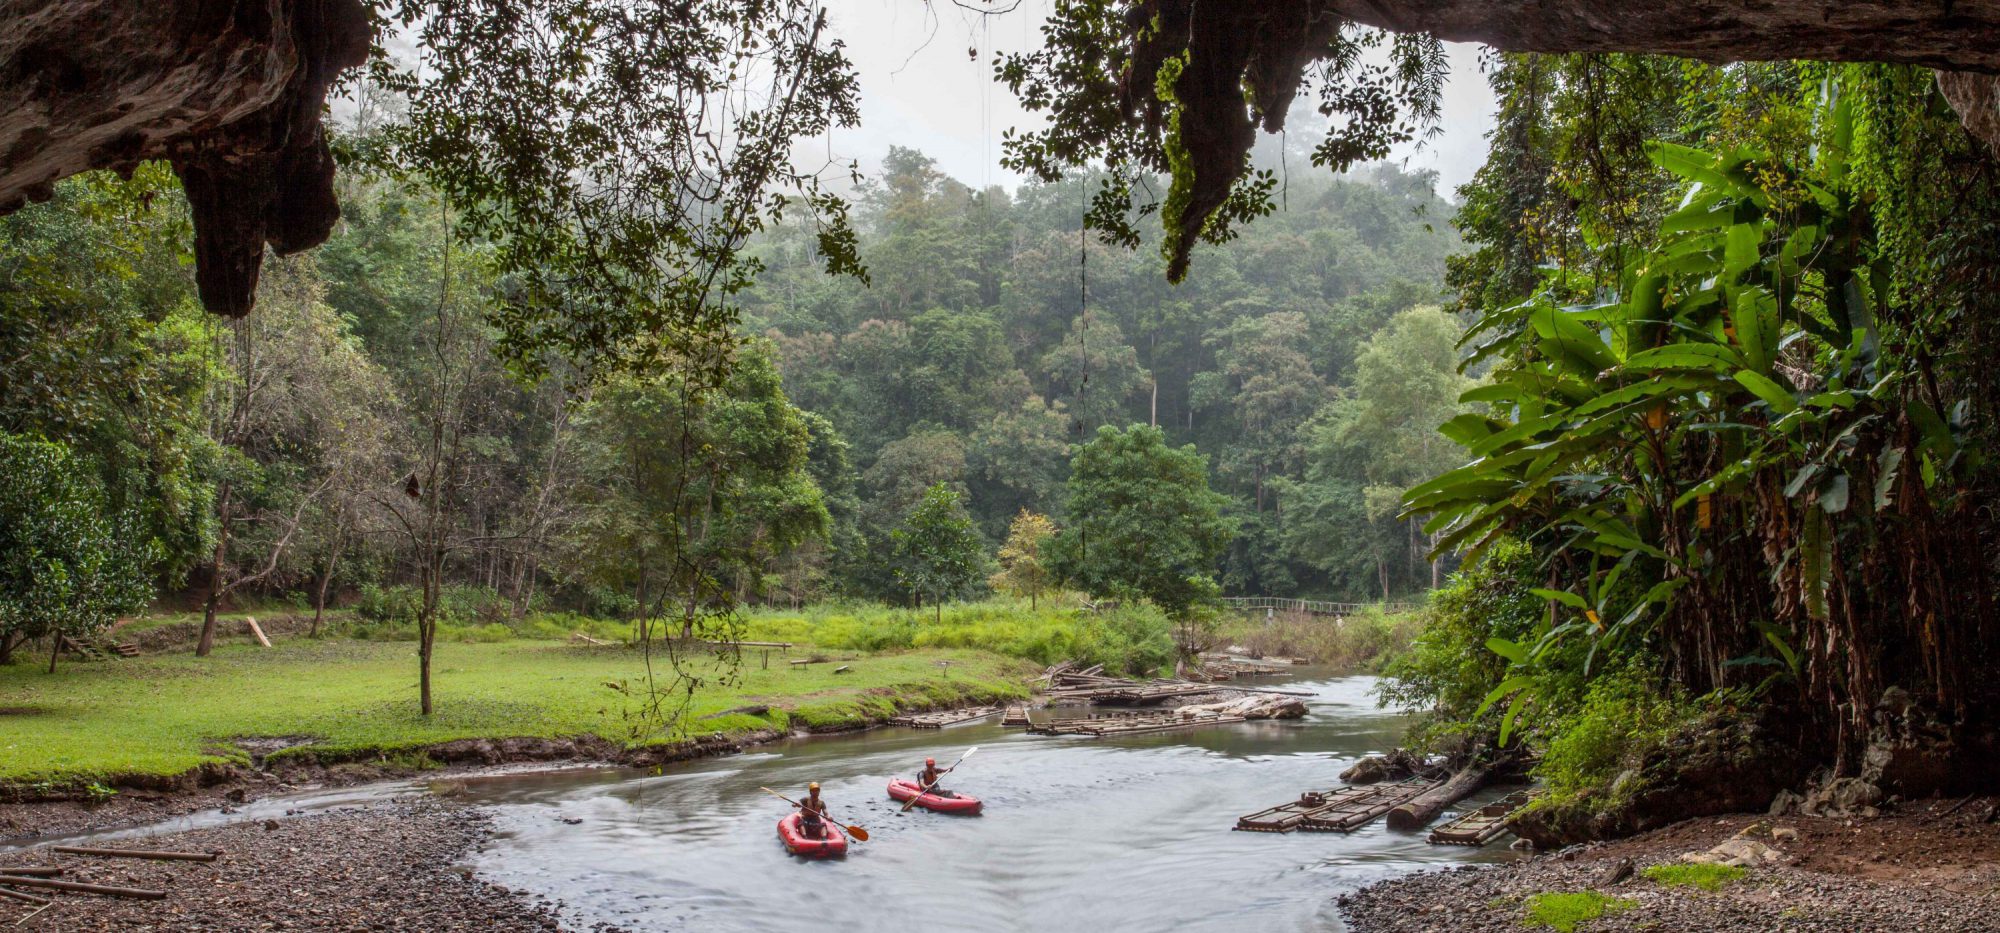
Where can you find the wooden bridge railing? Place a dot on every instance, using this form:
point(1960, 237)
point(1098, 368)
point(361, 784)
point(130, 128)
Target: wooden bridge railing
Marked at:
point(1306, 606)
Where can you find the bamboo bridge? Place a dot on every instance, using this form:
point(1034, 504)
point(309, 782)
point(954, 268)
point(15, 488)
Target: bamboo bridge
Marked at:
point(1272, 605)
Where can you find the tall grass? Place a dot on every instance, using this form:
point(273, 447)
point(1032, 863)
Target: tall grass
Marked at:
point(1131, 639)
point(1363, 641)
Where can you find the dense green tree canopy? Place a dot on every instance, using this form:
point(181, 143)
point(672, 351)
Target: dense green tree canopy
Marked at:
point(1141, 521)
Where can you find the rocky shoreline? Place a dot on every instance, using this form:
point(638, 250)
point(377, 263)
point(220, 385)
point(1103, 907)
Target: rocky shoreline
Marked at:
point(1930, 866)
point(380, 866)
point(141, 799)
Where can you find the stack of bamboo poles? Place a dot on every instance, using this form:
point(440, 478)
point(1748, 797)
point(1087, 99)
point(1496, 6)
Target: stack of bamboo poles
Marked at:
point(17, 882)
point(1067, 682)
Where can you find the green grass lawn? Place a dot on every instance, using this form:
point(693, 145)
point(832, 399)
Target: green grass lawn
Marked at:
point(166, 714)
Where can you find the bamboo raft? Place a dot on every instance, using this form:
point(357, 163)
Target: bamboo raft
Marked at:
point(1350, 815)
point(1481, 826)
point(1341, 810)
point(1099, 726)
point(1286, 817)
point(943, 718)
point(1066, 683)
point(1016, 715)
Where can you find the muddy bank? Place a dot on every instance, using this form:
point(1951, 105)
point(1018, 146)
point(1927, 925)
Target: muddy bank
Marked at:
point(1933, 866)
point(386, 866)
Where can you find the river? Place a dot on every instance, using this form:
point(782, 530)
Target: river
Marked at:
point(1078, 834)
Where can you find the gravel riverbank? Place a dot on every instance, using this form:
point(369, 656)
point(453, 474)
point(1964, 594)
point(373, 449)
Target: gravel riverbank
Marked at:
point(386, 866)
point(1921, 869)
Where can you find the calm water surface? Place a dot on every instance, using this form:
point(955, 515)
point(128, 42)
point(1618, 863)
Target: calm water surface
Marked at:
point(1078, 834)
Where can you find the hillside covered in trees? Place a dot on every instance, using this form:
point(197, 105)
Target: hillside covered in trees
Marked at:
point(363, 436)
point(1308, 369)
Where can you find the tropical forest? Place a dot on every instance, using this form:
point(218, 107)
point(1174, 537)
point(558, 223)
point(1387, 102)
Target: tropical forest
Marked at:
point(479, 465)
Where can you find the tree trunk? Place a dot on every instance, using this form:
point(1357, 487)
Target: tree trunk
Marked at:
point(319, 597)
point(1420, 811)
point(215, 591)
point(7, 644)
point(1382, 569)
point(55, 648)
point(426, 638)
point(940, 611)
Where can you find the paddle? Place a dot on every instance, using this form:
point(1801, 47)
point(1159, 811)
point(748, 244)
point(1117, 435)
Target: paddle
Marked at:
point(926, 788)
point(860, 835)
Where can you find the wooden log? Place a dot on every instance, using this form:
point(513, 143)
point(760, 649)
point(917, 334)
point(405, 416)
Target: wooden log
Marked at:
point(140, 894)
point(155, 854)
point(33, 871)
point(257, 630)
point(19, 896)
point(1425, 807)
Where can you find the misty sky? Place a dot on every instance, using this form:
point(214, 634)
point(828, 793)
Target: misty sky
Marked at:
point(920, 88)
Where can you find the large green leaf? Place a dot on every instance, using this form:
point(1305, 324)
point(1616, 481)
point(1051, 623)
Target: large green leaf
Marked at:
point(1815, 563)
point(1703, 356)
point(1773, 394)
point(1562, 596)
point(1755, 314)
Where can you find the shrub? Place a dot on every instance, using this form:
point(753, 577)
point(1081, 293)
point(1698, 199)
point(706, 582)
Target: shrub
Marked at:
point(1706, 876)
point(1131, 639)
point(1448, 670)
point(1624, 714)
point(68, 563)
point(1563, 911)
point(1367, 640)
point(457, 605)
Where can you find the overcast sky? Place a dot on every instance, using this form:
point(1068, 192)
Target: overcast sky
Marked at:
point(920, 88)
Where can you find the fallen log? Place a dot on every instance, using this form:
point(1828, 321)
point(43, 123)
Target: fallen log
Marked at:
point(155, 854)
point(141, 894)
point(19, 896)
point(1425, 807)
point(33, 871)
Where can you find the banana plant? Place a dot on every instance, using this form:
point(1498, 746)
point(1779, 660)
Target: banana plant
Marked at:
point(1738, 356)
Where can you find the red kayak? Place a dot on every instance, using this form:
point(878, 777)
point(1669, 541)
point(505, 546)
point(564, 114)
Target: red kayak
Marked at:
point(900, 789)
point(832, 845)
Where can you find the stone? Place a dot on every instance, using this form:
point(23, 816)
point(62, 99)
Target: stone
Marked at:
point(231, 92)
point(1616, 874)
point(1716, 764)
point(1841, 797)
point(1737, 852)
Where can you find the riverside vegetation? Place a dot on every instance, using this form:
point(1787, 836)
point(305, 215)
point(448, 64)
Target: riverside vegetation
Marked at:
point(161, 715)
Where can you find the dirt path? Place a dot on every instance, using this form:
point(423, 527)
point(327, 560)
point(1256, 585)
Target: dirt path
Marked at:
point(1918, 869)
point(387, 866)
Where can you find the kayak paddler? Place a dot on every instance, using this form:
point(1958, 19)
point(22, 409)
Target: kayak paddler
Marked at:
point(812, 812)
point(931, 776)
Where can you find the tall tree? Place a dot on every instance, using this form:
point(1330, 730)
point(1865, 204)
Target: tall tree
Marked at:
point(938, 551)
point(1364, 449)
point(694, 494)
point(1142, 522)
point(68, 564)
point(1024, 563)
point(297, 412)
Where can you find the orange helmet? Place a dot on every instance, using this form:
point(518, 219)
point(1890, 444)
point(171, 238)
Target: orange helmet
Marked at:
point(930, 762)
point(814, 787)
